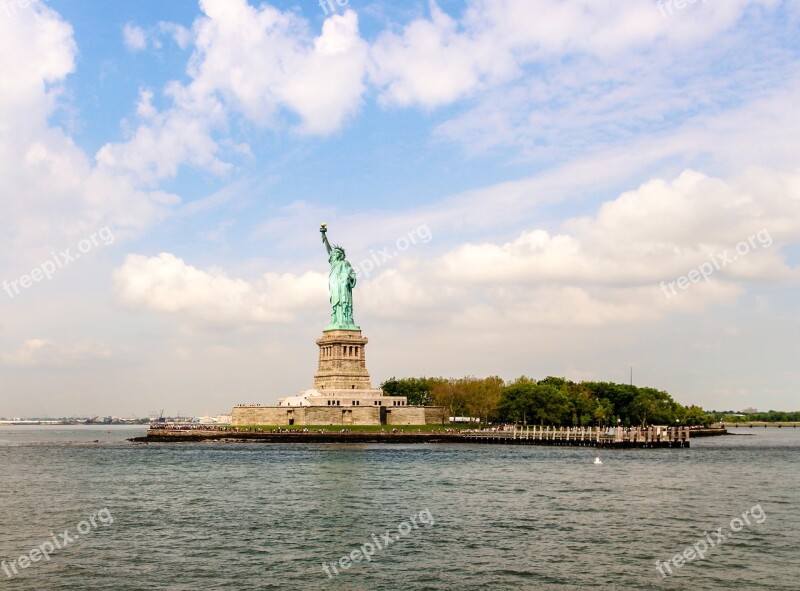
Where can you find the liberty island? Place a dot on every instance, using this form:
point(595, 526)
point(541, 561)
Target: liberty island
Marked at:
point(342, 395)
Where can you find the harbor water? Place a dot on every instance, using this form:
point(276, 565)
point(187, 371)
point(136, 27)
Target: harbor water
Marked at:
point(214, 516)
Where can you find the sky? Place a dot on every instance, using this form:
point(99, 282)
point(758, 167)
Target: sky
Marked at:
point(526, 187)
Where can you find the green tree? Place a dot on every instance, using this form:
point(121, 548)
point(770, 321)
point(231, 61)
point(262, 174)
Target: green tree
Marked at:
point(651, 406)
point(529, 402)
point(694, 415)
point(516, 401)
point(583, 402)
point(451, 395)
point(557, 382)
point(417, 390)
point(483, 396)
point(558, 401)
point(603, 412)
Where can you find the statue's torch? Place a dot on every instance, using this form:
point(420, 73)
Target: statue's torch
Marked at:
point(323, 228)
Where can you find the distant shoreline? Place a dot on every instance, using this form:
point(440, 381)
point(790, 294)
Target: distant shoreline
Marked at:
point(759, 424)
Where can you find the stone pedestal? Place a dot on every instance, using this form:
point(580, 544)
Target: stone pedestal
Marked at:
point(342, 393)
point(342, 361)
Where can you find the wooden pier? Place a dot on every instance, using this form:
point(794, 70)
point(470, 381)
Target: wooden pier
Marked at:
point(619, 437)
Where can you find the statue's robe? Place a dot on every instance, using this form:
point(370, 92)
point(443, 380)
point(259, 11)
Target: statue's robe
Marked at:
point(341, 281)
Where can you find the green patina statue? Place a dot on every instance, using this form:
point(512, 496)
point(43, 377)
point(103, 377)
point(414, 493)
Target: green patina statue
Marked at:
point(341, 281)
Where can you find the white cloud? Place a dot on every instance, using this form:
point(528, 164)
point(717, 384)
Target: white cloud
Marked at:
point(431, 63)
point(258, 63)
point(168, 285)
point(180, 34)
point(134, 37)
point(163, 142)
point(618, 94)
point(264, 60)
point(31, 85)
point(434, 61)
point(265, 65)
point(553, 80)
point(397, 294)
point(53, 194)
point(608, 268)
point(47, 353)
point(597, 271)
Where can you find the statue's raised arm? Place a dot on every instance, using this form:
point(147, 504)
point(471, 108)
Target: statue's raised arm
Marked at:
point(323, 228)
point(341, 281)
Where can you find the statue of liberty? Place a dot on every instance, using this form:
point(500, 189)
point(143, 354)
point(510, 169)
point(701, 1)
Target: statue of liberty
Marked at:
point(341, 281)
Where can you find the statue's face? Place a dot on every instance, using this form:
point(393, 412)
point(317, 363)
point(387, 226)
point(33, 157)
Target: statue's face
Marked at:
point(338, 255)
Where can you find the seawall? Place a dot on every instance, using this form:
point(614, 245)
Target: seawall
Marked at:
point(549, 438)
point(167, 436)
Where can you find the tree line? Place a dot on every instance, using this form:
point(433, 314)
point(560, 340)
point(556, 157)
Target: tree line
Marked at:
point(773, 416)
point(551, 401)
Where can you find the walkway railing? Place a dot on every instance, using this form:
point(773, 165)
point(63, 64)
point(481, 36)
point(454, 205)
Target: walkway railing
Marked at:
point(654, 436)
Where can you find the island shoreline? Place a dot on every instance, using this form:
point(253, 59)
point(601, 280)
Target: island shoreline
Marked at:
point(200, 435)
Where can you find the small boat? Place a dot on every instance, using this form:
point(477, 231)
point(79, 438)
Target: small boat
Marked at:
point(597, 460)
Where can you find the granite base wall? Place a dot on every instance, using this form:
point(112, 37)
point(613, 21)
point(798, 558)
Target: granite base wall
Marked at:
point(405, 415)
point(436, 415)
point(416, 415)
point(340, 416)
point(306, 415)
